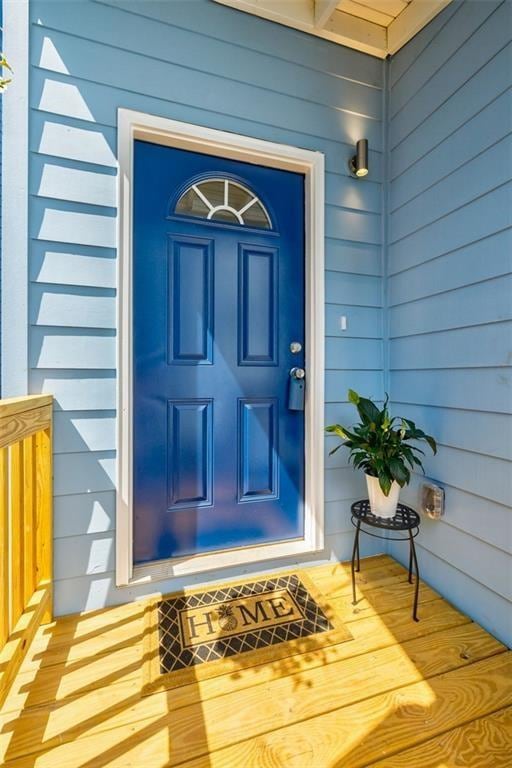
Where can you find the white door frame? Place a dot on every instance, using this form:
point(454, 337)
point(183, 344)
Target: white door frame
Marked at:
point(137, 125)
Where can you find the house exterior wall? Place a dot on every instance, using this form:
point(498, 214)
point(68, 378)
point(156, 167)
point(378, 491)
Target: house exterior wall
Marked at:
point(449, 292)
point(197, 62)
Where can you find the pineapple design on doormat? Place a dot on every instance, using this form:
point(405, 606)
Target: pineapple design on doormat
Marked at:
point(226, 618)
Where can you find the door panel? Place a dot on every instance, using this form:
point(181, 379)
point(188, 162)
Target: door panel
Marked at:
point(258, 306)
point(218, 457)
point(189, 450)
point(258, 453)
point(190, 301)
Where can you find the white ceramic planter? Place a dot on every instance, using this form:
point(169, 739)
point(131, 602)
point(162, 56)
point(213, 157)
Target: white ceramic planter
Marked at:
point(381, 505)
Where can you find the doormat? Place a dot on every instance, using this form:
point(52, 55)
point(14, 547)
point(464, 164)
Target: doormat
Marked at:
point(192, 636)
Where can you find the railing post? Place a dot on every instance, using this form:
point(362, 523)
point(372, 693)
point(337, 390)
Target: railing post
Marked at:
point(44, 514)
point(29, 520)
point(16, 532)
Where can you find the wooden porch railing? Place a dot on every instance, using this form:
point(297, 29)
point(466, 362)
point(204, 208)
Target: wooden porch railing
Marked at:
point(25, 527)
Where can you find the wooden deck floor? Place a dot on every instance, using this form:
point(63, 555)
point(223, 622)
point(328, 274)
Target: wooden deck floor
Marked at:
point(401, 694)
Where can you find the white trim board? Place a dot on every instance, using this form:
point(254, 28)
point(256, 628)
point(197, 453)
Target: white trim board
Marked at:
point(136, 125)
point(15, 159)
point(323, 18)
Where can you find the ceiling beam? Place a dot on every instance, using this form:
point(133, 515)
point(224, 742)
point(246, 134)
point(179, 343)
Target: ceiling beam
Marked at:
point(356, 33)
point(323, 11)
point(417, 14)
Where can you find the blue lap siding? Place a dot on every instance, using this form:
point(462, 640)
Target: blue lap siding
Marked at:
point(449, 292)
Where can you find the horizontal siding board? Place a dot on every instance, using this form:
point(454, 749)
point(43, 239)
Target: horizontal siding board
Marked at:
point(77, 390)
point(358, 258)
point(473, 137)
point(475, 263)
point(462, 186)
point(61, 97)
point(465, 592)
point(471, 305)
point(83, 555)
point(343, 412)
point(487, 30)
point(352, 225)
point(352, 289)
point(76, 432)
point(491, 81)
point(60, 267)
point(72, 349)
point(343, 484)
point(84, 513)
point(171, 46)
point(347, 354)
point(85, 144)
point(346, 192)
point(77, 307)
point(481, 346)
point(337, 517)
point(55, 180)
point(73, 227)
point(475, 221)
point(362, 322)
point(439, 52)
point(336, 460)
point(86, 472)
point(487, 433)
point(367, 383)
point(481, 389)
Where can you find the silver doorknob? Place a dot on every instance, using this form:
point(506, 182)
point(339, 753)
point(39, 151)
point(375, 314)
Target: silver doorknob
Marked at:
point(297, 373)
point(295, 347)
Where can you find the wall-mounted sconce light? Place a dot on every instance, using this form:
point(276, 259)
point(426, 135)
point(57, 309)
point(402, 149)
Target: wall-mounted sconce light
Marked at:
point(358, 164)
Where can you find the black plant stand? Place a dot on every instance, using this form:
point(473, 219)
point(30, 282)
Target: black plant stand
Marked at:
point(405, 519)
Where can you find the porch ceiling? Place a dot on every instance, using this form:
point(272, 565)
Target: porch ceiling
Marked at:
point(377, 27)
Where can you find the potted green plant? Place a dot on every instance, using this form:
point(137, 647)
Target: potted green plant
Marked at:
point(384, 447)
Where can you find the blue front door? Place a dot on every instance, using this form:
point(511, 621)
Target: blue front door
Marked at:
point(218, 298)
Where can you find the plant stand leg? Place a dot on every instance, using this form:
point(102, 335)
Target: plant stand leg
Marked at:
point(410, 564)
point(355, 553)
point(414, 559)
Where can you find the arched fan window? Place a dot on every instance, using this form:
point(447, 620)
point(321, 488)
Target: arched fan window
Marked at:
point(226, 201)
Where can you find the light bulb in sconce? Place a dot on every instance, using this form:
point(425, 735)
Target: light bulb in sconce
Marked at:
point(358, 164)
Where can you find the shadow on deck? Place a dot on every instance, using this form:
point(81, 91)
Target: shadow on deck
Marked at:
point(436, 693)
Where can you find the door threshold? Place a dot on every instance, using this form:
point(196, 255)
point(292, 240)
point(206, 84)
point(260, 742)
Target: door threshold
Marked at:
point(184, 566)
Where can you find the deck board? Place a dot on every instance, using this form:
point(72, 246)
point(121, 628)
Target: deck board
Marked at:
point(77, 700)
point(483, 743)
